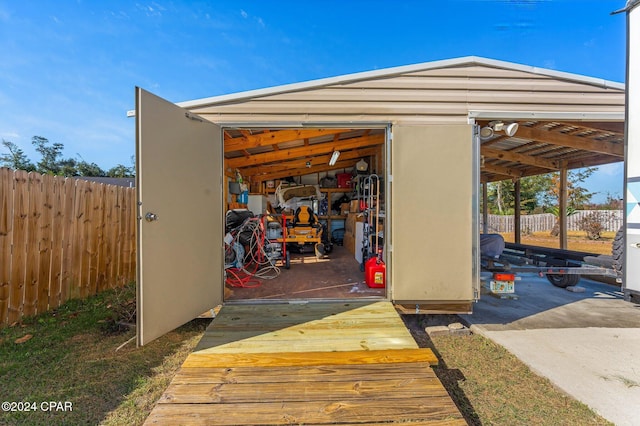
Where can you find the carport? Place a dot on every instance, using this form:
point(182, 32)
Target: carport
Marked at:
point(418, 127)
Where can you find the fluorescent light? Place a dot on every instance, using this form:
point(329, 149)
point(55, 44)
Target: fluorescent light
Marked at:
point(334, 158)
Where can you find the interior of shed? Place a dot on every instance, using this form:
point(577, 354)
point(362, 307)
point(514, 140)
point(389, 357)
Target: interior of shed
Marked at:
point(339, 174)
point(305, 211)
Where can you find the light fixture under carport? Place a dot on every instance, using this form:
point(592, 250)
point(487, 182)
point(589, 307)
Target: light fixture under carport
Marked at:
point(498, 126)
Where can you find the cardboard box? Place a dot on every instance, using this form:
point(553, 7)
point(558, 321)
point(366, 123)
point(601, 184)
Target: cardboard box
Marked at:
point(350, 223)
point(354, 206)
point(349, 243)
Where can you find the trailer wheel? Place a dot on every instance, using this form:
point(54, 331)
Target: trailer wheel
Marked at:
point(617, 251)
point(563, 280)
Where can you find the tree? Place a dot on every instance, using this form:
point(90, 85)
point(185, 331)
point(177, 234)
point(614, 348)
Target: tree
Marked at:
point(502, 199)
point(577, 196)
point(51, 153)
point(53, 163)
point(121, 171)
point(16, 158)
point(539, 192)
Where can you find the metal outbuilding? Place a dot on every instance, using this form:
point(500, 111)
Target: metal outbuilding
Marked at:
point(420, 127)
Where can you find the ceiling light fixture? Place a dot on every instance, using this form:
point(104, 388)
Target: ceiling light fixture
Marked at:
point(488, 131)
point(334, 158)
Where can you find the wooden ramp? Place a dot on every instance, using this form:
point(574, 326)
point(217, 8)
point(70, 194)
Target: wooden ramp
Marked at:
point(321, 363)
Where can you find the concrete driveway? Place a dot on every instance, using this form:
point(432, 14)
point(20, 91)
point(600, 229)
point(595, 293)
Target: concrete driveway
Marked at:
point(587, 344)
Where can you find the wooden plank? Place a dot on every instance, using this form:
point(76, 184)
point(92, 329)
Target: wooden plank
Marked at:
point(234, 393)
point(276, 359)
point(79, 240)
point(6, 236)
point(112, 219)
point(45, 243)
point(33, 241)
point(98, 265)
point(302, 346)
point(85, 192)
point(326, 373)
point(94, 235)
point(129, 215)
point(69, 236)
point(273, 311)
point(312, 412)
point(271, 138)
point(57, 241)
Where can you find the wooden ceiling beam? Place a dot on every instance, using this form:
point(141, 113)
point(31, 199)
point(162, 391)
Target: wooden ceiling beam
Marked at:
point(247, 141)
point(346, 164)
point(304, 151)
point(256, 172)
point(577, 142)
point(519, 158)
point(506, 171)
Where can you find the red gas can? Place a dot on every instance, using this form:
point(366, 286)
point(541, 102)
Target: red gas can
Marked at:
point(375, 271)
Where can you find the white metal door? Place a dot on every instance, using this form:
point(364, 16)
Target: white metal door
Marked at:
point(434, 220)
point(180, 237)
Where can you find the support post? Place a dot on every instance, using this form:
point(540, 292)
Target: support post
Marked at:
point(516, 209)
point(485, 209)
point(562, 207)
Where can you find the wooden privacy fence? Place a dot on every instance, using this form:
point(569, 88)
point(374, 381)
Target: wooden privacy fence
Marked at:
point(61, 238)
point(611, 220)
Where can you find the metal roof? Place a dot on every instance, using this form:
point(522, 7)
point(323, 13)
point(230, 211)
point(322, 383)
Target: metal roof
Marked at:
point(566, 120)
point(389, 72)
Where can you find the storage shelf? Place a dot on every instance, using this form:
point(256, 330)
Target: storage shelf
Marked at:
point(327, 190)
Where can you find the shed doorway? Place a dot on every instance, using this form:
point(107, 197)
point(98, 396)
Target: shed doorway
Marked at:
point(304, 209)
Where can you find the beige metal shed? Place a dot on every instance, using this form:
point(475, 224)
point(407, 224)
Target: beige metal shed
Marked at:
point(419, 127)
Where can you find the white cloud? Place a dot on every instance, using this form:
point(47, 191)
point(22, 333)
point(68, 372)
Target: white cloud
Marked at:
point(244, 14)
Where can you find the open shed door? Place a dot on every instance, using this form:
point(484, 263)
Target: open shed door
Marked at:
point(179, 188)
point(434, 194)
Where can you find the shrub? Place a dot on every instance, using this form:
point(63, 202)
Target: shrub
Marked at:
point(592, 224)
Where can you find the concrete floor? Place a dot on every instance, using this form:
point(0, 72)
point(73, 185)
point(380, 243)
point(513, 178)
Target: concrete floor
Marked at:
point(336, 276)
point(587, 344)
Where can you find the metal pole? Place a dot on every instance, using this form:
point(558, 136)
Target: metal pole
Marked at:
point(562, 207)
point(516, 211)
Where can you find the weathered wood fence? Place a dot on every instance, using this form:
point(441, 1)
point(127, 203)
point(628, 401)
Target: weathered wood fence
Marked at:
point(611, 220)
point(61, 238)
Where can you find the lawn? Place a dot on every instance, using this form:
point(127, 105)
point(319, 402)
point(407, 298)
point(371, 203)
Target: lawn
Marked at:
point(78, 356)
point(576, 240)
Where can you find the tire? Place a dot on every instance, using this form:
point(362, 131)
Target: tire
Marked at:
point(617, 252)
point(563, 280)
point(287, 260)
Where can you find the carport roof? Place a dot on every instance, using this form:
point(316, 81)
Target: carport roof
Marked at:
point(548, 138)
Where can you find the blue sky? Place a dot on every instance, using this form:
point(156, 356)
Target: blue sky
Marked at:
point(68, 68)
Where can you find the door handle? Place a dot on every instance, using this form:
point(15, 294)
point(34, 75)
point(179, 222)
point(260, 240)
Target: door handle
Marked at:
point(150, 217)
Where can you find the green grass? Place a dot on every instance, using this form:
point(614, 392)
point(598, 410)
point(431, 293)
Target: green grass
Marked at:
point(72, 357)
point(491, 386)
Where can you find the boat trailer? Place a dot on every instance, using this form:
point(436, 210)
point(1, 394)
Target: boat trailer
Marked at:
point(563, 268)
